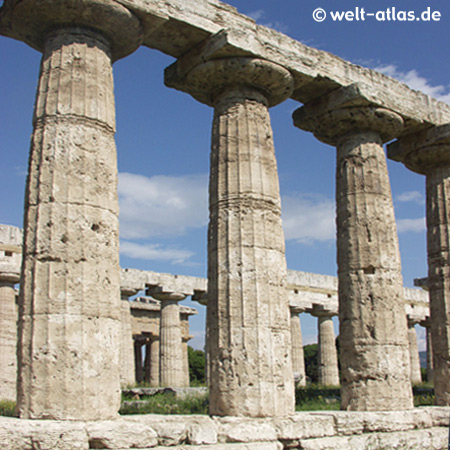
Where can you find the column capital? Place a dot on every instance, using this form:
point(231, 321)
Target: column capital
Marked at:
point(31, 21)
point(9, 277)
point(423, 151)
point(157, 293)
point(295, 310)
point(208, 81)
point(346, 112)
point(322, 311)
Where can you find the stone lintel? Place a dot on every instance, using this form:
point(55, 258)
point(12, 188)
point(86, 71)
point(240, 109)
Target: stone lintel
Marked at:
point(315, 72)
point(424, 150)
point(31, 21)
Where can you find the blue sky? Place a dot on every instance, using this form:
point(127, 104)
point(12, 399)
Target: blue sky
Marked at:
point(163, 142)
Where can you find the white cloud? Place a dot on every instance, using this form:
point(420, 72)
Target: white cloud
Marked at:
point(411, 225)
point(411, 196)
point(308, 218)
point(154, 252)
point(161, 205)
point(259, 17)
point(415, 81)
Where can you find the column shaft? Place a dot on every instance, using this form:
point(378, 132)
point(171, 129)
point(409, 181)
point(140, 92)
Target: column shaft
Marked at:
point(438, 239)
point(69, 312)
point(416, 375)
point(154, 362)
point(171, 362)
point(138, 361)
point(127, 365)
point(147, 363)
point(248, 313)
point(373, 328)
point(429, 354)
point(8, 338)
point(298, 358)
point(185, 356)
point(328, 361)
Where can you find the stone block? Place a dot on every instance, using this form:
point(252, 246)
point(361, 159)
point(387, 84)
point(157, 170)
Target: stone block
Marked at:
point(113, 434)
point(170, 430)
point(240, 429)
point(202, 432)
point(304, 425)
point(234, 446)
point(17, 434)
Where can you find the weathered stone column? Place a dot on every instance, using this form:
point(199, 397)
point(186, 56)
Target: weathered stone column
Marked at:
point(69, 307)
point(10, 260)
point(428, 153)
point(185, 356)
point(126, 357)
point(416, 376)
point(298, 358)
point(154, 361)
point(328, 359)
point(248, 312)
point(427, 324)
point(170, 345)
point(147, 362)
point(138, 359)
point(375, 370)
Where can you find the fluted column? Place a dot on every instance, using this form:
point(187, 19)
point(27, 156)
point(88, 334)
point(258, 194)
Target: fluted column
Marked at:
point(138, 359)
point(298, 357)
point(327, 355)
point(185, 354)
point(375, 367)
point(8, 336)
point(428, 153)
point(154, 361)
point(69, 307)
point(126, 351)
point(248, 311)
point(170, 345)
point(10, 261)
point(416, 375)
point(430, 371)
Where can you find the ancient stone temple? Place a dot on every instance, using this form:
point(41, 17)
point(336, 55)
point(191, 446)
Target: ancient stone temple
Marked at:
point(71, 319)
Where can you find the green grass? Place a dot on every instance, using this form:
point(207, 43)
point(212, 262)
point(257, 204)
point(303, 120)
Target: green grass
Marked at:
point(7, 408)
point(311, 398)
point(167, 404)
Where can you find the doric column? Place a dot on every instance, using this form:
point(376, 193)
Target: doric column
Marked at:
point(10, 260)
point(185, 355)
point(8, 336)
point(170, 345)
point(416, 375)
point(327, 356)
point(375, 371)
point(126, 350)
point(428, 153)
point(154, 361)
point(298, 358)
point(430, 370)
point(69, 306)
point(147, 362)
point(138, 359)
point(248, 311)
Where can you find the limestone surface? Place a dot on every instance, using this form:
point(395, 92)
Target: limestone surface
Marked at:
point(428, 153)
point(69, 310)
point(10, 260)
point(374, 359)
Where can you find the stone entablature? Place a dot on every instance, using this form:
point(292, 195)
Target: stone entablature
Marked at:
point(306, 290)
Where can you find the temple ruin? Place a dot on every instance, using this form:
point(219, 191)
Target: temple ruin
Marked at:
point(70, 312)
